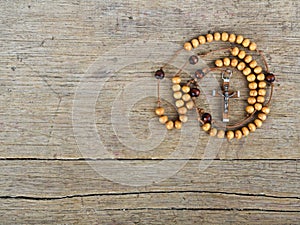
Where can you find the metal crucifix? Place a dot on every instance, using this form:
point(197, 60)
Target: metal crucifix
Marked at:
point(226, 94)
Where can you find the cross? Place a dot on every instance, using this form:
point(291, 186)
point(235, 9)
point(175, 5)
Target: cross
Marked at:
point(226, 94)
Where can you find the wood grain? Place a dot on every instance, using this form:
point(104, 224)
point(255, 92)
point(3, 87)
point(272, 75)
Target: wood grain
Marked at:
point(48, 47)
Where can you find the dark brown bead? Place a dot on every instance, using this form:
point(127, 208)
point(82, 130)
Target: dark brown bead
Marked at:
point(199, 74)
point(159, 74)
point(194, 92)
point(206, 118)
point(270, 77)
point(193, 59)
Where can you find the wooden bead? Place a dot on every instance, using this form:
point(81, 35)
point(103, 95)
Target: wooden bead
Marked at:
point(190, 105)
point(224, 36)
point(260, 77)
point(251, 100)
point(270, 77)
point(206, 127)
point(182, 110)
point(234, 62)
point(235, 51)
point(262, 116)
point(159, 111)
point(249, 109)
point(226, 61)
point(185, 89)
point(195, 43)
point(238, 134)
point(248, 59)
point(176, 80)
point(202, 40)
point(262, 92)
point(265, 110)
point(213, 132)
point(252, 46)
point(177, 95)
point(251, 127)
point(219, 63)
point(260, 99)
point(242, 54)
point(253, 93)
point(163, 119)
point(258, 123)
point(252, 85)
point(179, 103)
point(159, 74)
point(230, 135)
point(221, 134)
point(178, 124)
point(245, 131)
point(246, 71)
point(206, 118)
point(258, 106)
point(253, 64)
point(241, 66)
point(169, 125)
point(262, 84)
point(217, 36)
point(251, 78)
point(246, 42)
point(176, 87)
point(209, 37)
point(257, 70)
point(232, 38)
point(194, 92)
point(188, 46)
point(239, 39)
point(183, 118)
point(186, 97)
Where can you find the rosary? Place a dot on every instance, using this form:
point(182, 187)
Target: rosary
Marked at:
point(260, 84)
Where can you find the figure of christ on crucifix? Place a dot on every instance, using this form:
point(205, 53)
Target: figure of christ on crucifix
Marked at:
point(226, 94)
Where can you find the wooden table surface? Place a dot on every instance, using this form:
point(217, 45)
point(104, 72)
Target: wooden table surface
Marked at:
point(80, 143)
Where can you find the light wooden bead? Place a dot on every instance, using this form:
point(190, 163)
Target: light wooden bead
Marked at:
point(213, 132)
point(169, 125)
point(252, 85)
point(251, 100)
point(262, 92)
point(179, 103)
point(221, 134)
point(177, 95)
point(202, 39)
point(246, 71)
point(188, 46)
point(251, 127)
point(219, 63)
point(262, 116)
point(190, 105)
point(182, 110)
point(253, 64)
point(238, 134)
point(230, 134)
point(209, 37)
point(258, 106)
point(176, 80)
point(252, 46)
point(232, 38)
point(242, 54)
point(159, 111)
point(251, 78)
point(183, 118)
point(185, 89)
point(245, 131)
point(260, 77)
point(163, 119)
point(262, 84)
point(195, 43)
point(246, 42)
point(260, 99)
point(253, 93)
point(234, 62)
point(186, 97)
point(226, 61)
point(258, 123)
point(257, 70)
point(176, 87)
point(235, 51)
point(249, 109)
point(265, 110)
point(241, 66)
point(206, 127)
point(217, 36)
point(178, 124)
point(239, 39)
point(248, 59)
point(224, 36)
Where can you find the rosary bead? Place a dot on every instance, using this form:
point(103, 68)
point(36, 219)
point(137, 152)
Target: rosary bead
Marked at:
point(257, 70)
point(226, 61)
point(224, 36)
point(235, 51)
point(194, 92)
point(188, 46)
point(265, 110)
point(246, 42)
point(232, 38)
point(178, 124)
point(253, 93)
point(258, 123)
point(219, 63)
point(242, 54)
point(262, 84)
point(252, 85)
point(221, 133)
point(230, 135)
point(246, 71)
point(206, 127)
point(195, 43)
point(186, 97)
point(176, 80)
point(163, 119)
point(199, 74)
point(159, 74)
point(193, 59)
point(209, 37)
point(253, 64)
point(238, 134)
point(245, 131)
point(213, 132)
point(270, 77)
point(185, 89)
point(234, 62)
point(258, 106)
point(251, 78)
point(252, 46)
point(169, 125)
point(262, 116)
point(179, 103)
point(202, 39)
point(176, 87)
point(182, 110)
point(252, 127)
point(177, 95)
point(159, 111)
point(206, 118)
point(251, 100)
point(241, 66)
point(183, 118)
point(189, 105)
point(260, 99)
point(217, 36)
point(239, 39)
point(248, 59)
point(249, 109)
point(261, 77)
point(262, 92)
